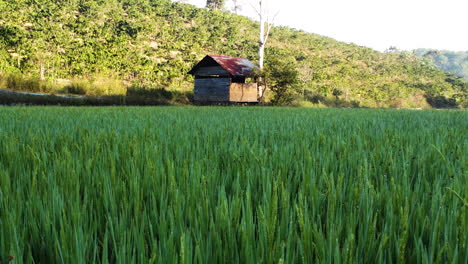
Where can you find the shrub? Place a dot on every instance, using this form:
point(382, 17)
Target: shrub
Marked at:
point(107, 86)
point(77, 87)
point(337, 93)
point(19, 82)
point(282, 78)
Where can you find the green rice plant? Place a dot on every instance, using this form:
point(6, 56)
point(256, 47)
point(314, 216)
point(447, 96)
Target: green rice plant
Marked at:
point(234, 184)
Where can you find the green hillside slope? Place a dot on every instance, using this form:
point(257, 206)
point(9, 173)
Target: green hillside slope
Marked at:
point(449, 61)
point(106, 47)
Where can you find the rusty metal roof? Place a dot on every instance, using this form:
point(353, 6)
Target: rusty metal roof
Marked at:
point(235, 66)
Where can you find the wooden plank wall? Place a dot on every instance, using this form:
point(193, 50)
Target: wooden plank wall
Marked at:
point(243, 92)
point(213, 70)
point(212, 90)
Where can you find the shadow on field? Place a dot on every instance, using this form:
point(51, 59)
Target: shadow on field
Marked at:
point(316, 98)
point(133, 97)
point(439, 101)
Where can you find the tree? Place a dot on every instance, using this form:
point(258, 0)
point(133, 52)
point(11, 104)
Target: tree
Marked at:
point(265, 27)
point(237, 6)
point(215, 4)
point(392, 49)
point(283, 79)
point(337, 93)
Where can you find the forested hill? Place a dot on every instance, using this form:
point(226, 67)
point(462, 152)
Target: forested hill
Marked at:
point(449, 61)
point(154, 43)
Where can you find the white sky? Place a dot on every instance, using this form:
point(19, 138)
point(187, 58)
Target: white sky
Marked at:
point(379, 24)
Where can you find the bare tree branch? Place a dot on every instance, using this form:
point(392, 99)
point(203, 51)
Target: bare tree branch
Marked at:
point(255, 9)
point(270, 25)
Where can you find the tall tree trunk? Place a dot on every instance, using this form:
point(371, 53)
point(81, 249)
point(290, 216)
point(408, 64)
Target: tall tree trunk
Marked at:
point(264, 32)
point(261, 42)
point(42, 72)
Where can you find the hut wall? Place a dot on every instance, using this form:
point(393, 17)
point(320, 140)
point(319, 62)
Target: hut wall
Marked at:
point(211, 90)
point(243, 92)
point(211, 70)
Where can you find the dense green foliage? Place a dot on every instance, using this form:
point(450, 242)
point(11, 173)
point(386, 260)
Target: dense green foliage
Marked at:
point(449, 61)
point(154, 43)
point(233, 185)
point(282, 78)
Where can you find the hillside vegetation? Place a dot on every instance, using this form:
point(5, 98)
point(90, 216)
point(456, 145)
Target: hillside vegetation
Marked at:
point(117, 47)
point(449, 61)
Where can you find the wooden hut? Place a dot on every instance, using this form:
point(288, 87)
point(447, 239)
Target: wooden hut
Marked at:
point(222, 79)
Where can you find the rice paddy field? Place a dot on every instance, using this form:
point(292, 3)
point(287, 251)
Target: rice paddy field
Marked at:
point(232, 185)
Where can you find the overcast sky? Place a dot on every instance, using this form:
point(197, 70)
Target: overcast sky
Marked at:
point(379, 24)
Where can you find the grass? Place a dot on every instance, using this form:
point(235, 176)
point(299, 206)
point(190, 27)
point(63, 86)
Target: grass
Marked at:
point(18, 82)
point(99, 91)
point(96, 86)
point(233, 185)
